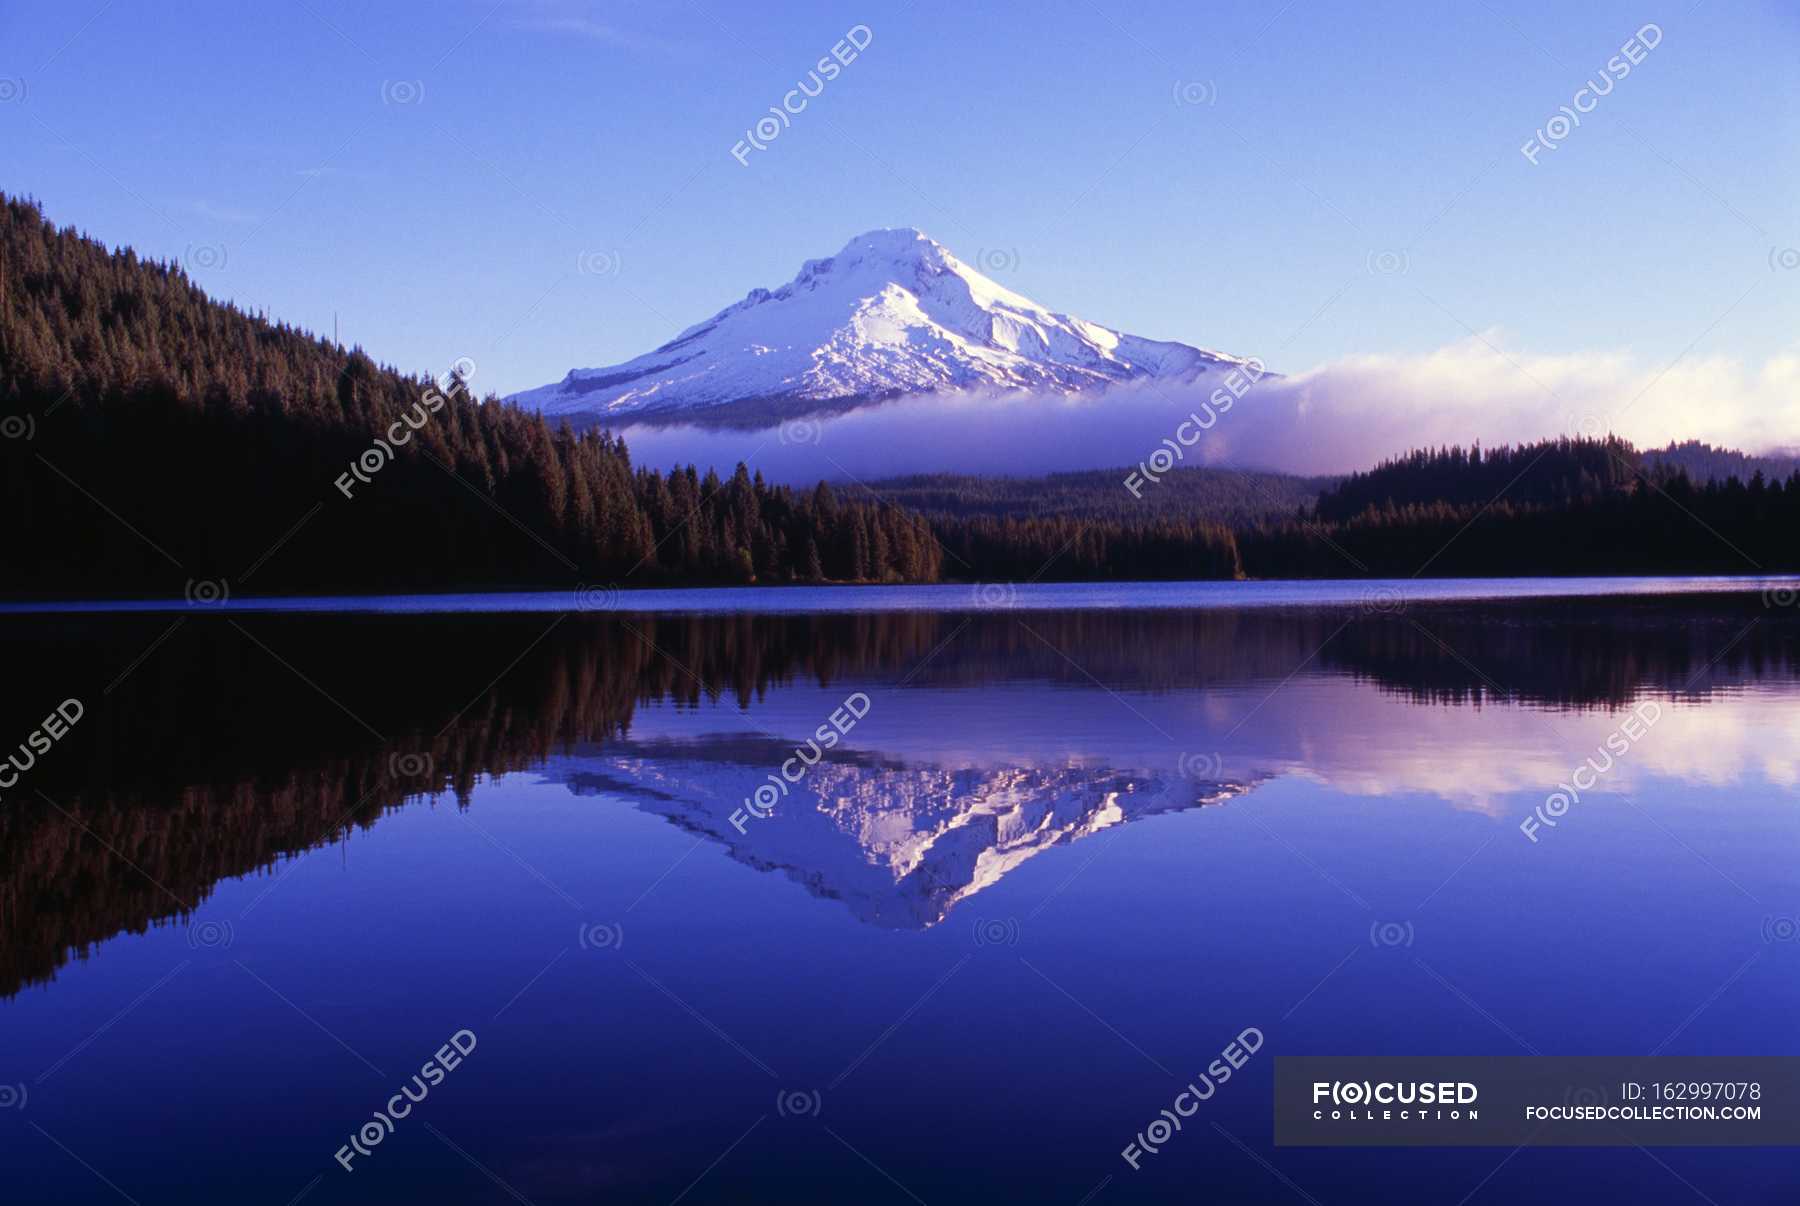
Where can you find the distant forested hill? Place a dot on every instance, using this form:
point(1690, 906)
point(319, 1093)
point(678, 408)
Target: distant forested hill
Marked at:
point(1705, 463)
point(153, 439)
point(1565, 506)
point(1551, 473)
point(1228, 496)
point(154, 442)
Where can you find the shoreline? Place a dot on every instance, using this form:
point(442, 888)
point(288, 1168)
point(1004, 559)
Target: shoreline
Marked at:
point(1375, 595)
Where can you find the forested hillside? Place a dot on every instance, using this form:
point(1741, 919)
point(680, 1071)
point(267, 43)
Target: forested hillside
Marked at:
point(155, 442)
point(1215, 496)
point(156, 437)
point(1556, 507)
point(1705, 463)
point(1552, 473)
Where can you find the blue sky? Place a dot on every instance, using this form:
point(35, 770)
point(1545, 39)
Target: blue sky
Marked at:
point(1305, 183)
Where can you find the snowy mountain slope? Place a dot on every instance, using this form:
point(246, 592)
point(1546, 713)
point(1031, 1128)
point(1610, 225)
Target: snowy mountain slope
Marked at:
point(893, 313)
point(899, 843)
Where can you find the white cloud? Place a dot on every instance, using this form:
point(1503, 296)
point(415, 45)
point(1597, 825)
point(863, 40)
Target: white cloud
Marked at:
point(1348, 413)
point(1341, 416)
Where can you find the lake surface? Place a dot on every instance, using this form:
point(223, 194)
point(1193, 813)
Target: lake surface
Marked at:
point(1387, 594)
point(1063, 848)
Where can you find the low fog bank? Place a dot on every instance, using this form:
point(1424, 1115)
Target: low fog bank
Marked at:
point(1344, 416)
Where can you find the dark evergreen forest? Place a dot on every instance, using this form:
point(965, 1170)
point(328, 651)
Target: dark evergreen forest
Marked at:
point(154, 441)
point(1567, 506)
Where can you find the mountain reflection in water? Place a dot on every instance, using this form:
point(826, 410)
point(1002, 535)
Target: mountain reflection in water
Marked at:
point(214, 747)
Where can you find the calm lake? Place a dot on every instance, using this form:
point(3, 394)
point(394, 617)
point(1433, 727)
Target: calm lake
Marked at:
point(897, 895)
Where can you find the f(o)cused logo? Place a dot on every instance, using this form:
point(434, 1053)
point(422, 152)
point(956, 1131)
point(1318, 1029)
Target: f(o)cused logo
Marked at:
point(12, 1097)
point(799, 1103)
point(800, 431)
point(997, 931)
point(599, 263)
point(1586, 1096)
point(18, 427)
point(1384, 601)
point(1391, 933)
point(410, 766)
point(1204, 767)
point(995, 594)
point(601, 936)
point(1589, 426)
point(210, 935)
point(762, 801)
point(596, 598)
point(997, 259)
point(1196, 92)
point(1387, 263)
point(204, 257)
point(207, 592)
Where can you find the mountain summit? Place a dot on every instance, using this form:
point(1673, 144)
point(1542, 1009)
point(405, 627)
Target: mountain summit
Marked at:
point(893, 313)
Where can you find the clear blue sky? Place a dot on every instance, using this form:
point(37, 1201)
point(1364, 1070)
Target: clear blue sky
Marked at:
point(1045, 138)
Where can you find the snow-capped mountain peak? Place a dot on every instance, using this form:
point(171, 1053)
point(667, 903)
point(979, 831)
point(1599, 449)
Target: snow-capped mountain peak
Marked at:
point(893, 313)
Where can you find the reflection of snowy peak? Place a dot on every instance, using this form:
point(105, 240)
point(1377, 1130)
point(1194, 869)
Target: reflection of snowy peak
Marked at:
point(892, 313)
point(899, 844)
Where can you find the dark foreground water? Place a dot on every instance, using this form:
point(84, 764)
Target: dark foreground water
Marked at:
point(1058, 860)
